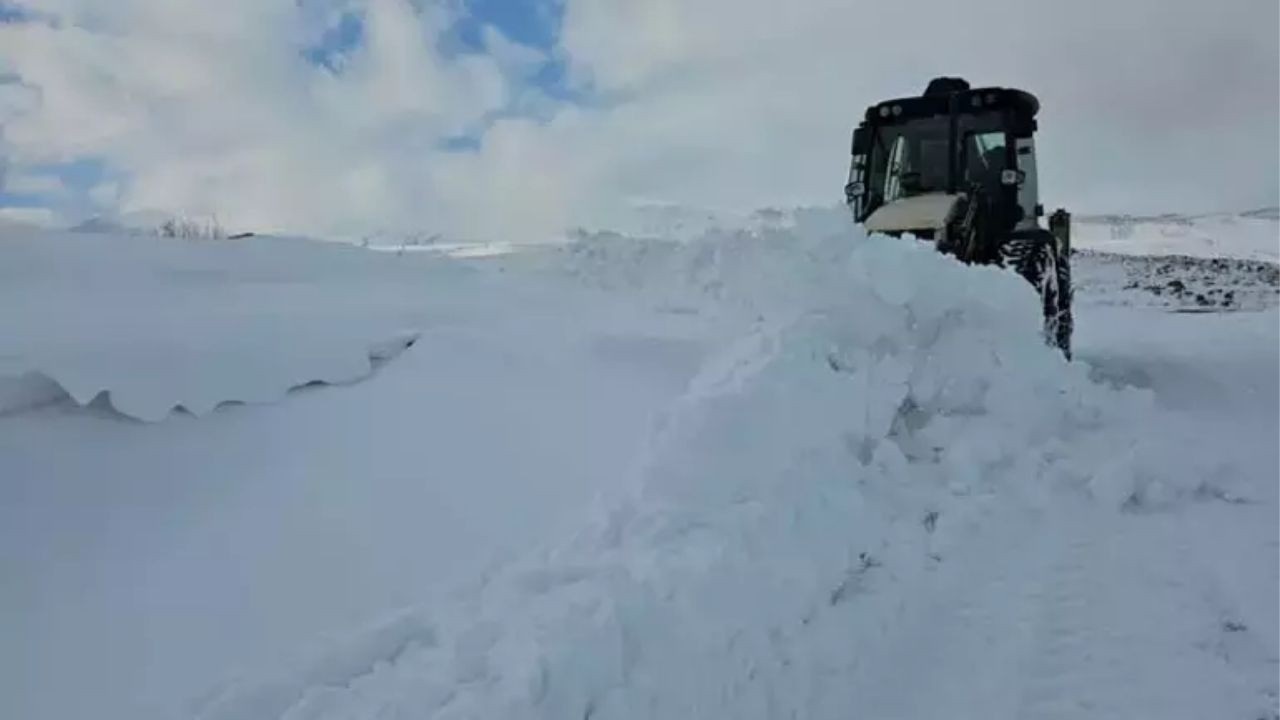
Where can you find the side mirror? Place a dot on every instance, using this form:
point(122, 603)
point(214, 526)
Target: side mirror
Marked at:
point(854, 191)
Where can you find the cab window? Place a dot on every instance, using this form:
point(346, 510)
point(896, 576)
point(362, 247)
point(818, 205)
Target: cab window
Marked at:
point(916, 160)
point(984, 157)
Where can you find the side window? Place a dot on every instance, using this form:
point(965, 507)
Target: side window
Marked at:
point(984, 157)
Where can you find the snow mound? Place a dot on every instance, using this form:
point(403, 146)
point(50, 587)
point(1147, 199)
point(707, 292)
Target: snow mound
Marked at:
point(150, 325)
point(888, 403)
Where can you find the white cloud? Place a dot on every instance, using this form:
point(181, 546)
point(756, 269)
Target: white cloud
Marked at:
point(1147, 104)
point(210, 108)
point(204, 108)
point(105, 195)
point(519, 60)
point(40, 217)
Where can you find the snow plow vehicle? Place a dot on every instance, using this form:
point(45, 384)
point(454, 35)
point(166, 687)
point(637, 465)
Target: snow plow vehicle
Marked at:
point(957, 166)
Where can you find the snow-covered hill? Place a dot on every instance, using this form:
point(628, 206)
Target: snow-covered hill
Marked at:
point(147, 324)
point(784, 472)
point(1253, 235)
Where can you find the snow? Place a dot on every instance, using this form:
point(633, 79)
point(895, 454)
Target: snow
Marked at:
point(1251, 235)
point(782, 471)
point(1176, 282)
point(154, 326)
point(144, 562)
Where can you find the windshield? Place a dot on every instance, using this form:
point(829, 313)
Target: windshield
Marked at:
point(909, 159)
point(913, 157)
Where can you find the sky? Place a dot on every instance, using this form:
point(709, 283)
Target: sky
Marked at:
point(506, 120)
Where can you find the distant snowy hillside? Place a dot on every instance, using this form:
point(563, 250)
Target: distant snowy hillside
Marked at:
point(146, 325)
point(782, 471)
point(1252, 235)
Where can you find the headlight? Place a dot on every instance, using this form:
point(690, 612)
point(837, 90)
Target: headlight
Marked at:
point(884, 111)
point(897, 110)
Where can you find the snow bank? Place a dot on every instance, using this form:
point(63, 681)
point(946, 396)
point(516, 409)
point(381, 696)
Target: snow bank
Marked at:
point(883, 403)
point(149, 325)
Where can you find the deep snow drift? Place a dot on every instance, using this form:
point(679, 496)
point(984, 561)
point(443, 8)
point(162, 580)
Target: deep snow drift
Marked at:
point(794, 472)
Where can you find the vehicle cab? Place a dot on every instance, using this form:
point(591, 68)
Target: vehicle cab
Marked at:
point(913, 158)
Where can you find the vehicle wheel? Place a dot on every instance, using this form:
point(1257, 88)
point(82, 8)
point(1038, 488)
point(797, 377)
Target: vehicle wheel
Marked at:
point(1064, 324)
point(1036, 257)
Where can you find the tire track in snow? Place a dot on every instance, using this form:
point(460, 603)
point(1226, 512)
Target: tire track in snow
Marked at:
point(1077, 612)
point(1130, 625)
point(1070, 666)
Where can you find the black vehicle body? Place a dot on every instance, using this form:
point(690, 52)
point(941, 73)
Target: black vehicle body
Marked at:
point(956, 166)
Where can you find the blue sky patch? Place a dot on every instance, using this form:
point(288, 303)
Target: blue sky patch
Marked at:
point(337, 42)
point(460, 143)
point(13, 13)
point(532, 23)
point(535, 23)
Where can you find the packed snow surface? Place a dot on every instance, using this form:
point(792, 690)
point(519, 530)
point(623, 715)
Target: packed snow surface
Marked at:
point(790, 471)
